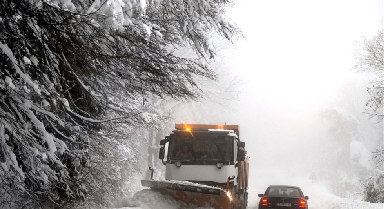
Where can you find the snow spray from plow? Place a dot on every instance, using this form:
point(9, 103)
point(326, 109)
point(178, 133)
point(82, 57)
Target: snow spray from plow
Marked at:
point(191, 193)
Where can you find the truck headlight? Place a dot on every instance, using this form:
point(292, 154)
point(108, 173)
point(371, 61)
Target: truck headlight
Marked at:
point(219, 165)
point(229, 196)
point(178, 164)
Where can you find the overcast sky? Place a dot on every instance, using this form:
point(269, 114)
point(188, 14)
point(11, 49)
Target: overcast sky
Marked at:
point(297, 52)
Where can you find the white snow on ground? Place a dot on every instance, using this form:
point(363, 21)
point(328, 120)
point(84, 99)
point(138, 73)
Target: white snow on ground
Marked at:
point(319, 198)
point(360, 153)
point(150, 199)
point(320, 195)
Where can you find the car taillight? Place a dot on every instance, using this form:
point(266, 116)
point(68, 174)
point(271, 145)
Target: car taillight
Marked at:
point(264, 201)
point(302, 203)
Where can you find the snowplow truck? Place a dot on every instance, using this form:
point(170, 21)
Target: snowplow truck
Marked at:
point(206, 166)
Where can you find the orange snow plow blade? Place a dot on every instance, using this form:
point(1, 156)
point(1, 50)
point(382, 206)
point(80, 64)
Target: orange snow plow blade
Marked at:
point(195, 195)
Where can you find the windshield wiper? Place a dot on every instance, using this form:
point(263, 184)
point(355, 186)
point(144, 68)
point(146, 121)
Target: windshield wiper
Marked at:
point(221, 153)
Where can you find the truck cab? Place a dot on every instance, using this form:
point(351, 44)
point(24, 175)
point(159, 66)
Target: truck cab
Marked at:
point(205, 154)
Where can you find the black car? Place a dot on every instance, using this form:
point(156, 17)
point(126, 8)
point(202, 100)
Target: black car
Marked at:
point(283, 197)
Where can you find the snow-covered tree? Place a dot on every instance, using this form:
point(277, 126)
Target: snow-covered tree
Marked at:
point(68, 67)
point(353, 138)
point(370, 60)
point(374, 184)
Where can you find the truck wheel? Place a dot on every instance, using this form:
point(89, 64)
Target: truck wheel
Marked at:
point(245, 199)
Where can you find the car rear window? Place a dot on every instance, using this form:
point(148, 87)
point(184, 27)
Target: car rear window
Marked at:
point(283, 191)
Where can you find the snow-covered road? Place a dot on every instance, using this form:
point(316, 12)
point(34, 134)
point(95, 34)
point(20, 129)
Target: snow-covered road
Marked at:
point(320, 198)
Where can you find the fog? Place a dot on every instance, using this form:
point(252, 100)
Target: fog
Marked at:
point(296, 62)
point(299, 103)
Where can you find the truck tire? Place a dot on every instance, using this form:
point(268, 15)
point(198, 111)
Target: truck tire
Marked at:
point(245, 199)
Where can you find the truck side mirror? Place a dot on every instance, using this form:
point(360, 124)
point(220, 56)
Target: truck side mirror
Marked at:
point(241, 144)
point(162, 142)
point(161, 153)
point(240, 154)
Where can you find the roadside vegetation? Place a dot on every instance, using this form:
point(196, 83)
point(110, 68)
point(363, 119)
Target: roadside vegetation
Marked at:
point(74, 74)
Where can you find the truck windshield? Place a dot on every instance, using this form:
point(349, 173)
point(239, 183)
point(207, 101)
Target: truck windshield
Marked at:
point(201, 147)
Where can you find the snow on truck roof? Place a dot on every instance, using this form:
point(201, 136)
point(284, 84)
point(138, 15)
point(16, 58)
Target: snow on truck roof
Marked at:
point(222, 130)
point(230, 129)
point(228, 132)
point(206, 127)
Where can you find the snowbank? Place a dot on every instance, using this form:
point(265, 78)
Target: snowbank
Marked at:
point(320, 198)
